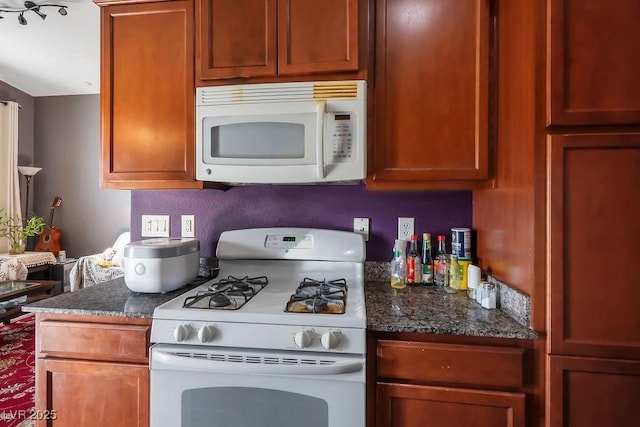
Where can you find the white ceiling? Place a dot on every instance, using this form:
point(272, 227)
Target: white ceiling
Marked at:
point(59, 55)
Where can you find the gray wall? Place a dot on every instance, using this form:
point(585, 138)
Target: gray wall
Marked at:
point(67, 145)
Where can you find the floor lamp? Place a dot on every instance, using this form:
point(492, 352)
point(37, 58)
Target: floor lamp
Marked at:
point(28, 172)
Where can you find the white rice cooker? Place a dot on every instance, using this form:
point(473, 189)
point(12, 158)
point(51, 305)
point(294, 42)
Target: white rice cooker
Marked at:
point(160, 265)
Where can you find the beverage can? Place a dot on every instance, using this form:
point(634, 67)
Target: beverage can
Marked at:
point(461, 242)
point(62, 255)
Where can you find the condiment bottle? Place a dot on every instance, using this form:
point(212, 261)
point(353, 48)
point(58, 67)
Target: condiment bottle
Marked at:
point(398, 267)
point(454, 272)
point(427, 260)
point(414, 264)
point(442, 267)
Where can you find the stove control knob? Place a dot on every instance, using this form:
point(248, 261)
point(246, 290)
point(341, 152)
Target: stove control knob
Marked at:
point(206, 333)
point(181, 332)
point(303, 339)
point(330, 339)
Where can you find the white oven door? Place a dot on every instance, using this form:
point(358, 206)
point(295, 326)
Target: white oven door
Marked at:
point(219, 387)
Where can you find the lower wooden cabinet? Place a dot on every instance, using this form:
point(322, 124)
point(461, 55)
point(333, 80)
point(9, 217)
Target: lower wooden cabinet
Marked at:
point(92, 371)
point(405, 405)
point(81, 393)
point(589, 391)
point(416, 383)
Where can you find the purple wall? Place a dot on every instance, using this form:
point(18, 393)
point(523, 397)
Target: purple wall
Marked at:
point(321, 206)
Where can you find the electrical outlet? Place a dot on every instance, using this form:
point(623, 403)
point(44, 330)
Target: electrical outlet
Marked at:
point(405, 228)
point(361, 225)
point(155, 226)
point(188, 226)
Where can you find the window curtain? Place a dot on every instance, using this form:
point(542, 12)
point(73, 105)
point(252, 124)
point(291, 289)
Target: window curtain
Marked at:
point(9, 178)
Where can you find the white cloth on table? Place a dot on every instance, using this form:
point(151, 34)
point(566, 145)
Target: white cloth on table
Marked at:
point(12, 269)
point(16, 267)
point(92, 269)
point(87, 272)
point(33, 259)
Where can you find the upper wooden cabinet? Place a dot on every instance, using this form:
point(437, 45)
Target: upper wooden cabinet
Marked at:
point(594, 62)
point(279, 38)
point(147, 95)
point(431, 108)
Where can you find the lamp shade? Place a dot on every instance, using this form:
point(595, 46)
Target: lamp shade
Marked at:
point(28, 170)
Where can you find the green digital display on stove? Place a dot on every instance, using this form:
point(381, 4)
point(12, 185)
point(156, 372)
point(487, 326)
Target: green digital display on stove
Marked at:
point(288, 239)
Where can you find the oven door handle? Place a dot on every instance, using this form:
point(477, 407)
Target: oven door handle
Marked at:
point(171, 360)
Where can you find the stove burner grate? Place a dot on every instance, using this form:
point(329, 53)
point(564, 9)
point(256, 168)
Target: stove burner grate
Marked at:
point(227, 294)
point(319, 296)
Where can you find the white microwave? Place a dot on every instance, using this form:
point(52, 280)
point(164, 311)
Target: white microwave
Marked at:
point(282, 133)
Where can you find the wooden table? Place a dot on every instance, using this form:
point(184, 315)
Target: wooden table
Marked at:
point(34, 290)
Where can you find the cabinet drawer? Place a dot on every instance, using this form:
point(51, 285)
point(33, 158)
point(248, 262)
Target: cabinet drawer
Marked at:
point(94, 341)
point(471, 365)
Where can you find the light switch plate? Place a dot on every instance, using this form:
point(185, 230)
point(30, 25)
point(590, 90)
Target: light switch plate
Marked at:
point(188, 226)
point(361, 225)
point(155, 226)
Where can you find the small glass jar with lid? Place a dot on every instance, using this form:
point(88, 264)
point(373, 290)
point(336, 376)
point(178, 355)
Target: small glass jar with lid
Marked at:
point(486, 295)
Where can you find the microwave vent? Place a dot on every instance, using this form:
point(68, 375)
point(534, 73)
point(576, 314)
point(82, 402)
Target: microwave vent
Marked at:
point(280, 92)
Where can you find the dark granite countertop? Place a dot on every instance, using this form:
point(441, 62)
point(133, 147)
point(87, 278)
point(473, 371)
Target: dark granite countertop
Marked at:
point(111, 298)
point(427, 309)
point(414, 309)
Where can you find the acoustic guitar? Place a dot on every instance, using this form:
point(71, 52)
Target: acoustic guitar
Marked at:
point(50, 237)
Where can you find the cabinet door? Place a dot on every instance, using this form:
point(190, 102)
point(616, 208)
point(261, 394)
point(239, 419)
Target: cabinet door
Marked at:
point(401, 405)
point(593, 392)
point(147, 96)
point(594, 62)
point(81, 393)
point(236, 38)
point(317, 36)
point(594, 206)
point(431, 91)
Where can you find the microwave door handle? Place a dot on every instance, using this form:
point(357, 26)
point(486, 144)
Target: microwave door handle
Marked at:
point(321, 108)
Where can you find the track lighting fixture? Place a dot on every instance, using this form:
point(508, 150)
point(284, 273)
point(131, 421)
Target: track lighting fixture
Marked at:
point(33, 7)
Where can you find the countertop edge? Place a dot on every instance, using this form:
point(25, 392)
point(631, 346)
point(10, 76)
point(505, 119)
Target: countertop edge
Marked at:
point(521, 335)
point(82, 312)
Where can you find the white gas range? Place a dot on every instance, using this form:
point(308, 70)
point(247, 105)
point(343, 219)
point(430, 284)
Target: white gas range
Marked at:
point(284, 319)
